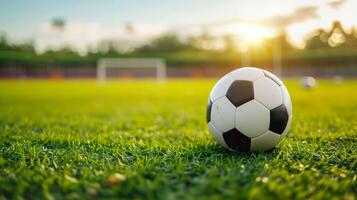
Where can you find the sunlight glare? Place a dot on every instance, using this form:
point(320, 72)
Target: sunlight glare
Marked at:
point(248, 35)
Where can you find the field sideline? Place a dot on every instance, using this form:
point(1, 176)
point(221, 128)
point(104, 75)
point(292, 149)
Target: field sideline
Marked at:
point(65, 138)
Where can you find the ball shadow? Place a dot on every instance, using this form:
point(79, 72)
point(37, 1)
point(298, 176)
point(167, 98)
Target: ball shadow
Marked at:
point(216, 150)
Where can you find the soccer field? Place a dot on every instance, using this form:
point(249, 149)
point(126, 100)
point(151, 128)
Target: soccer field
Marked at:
point(63, 139)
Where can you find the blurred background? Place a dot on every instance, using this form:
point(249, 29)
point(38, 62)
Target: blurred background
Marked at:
point(66, 39)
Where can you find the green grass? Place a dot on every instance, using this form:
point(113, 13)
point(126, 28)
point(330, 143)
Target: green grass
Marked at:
point(63, 139)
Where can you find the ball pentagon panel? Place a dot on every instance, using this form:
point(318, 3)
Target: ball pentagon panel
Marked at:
point(240, 92)
point(287, 128)
point(278, 119)
point(208, 110)
point(235, 140)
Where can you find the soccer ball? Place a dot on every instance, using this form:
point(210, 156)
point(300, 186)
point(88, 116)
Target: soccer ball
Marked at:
point(308, 82)
point(249, 109)
point(338, 79)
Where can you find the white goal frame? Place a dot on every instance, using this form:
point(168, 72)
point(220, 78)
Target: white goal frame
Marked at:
point(128, 63)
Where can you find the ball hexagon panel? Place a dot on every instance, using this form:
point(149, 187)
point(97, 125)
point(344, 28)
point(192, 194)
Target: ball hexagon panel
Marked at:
point(273, 77)
point(223, 114)
point(267, 92)
point(208, 110)
point(247, 73)
point(286, 128)
point(236, 140)
point(240, 92)
point(264, 142)
point(221, 87)
point(278, 119)
point(286, 100)
point(252, 119)
point(216, 134)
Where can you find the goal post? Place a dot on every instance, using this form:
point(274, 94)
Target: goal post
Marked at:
point(158, 63)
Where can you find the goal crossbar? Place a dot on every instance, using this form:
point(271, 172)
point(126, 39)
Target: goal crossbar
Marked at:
point(105, 63)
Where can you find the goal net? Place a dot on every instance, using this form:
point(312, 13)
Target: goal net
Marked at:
point(130, 63)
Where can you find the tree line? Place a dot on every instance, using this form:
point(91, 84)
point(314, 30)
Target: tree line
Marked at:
point(186, 50)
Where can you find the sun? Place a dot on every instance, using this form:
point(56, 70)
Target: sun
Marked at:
point(248, 35)
point(253, 35)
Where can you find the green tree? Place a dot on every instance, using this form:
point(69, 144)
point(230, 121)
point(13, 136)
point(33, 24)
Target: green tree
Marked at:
point(336, 37)
point(165, 43)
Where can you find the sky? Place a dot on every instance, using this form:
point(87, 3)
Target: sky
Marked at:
point(89, 21)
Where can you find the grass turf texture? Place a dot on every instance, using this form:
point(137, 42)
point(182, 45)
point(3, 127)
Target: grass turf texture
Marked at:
point(65, 138)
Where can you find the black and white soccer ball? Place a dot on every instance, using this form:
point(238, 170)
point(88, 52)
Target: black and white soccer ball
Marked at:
point(249, 109)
